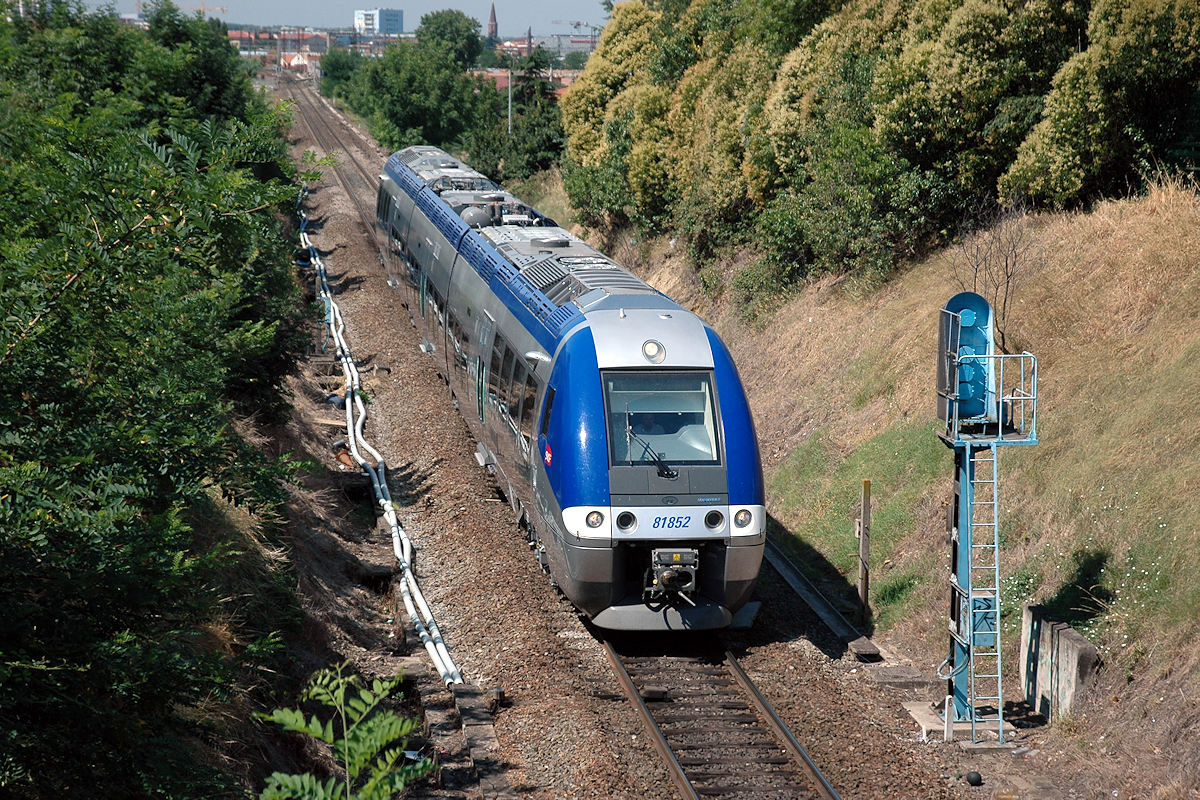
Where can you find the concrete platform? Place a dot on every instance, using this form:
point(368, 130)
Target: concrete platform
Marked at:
point(934, 727)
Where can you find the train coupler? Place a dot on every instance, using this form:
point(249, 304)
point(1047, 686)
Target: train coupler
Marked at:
point(672, 572)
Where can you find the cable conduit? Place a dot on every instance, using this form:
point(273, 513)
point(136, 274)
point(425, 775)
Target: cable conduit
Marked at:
point(414, 600)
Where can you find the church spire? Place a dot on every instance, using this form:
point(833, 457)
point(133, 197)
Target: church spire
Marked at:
point(493, 31)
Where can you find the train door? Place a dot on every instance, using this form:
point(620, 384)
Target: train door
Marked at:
point(483, 354)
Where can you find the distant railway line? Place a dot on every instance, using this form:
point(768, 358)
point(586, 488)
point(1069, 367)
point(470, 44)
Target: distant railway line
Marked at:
point(356, 179)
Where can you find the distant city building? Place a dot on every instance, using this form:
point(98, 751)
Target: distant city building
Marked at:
point(493, 33)
point(385, 21)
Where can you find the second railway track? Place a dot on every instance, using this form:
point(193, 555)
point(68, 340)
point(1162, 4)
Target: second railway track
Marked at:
point(356, 179)
point(716, 733)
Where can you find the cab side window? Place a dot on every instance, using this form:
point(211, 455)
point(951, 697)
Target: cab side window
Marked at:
point(545, 427)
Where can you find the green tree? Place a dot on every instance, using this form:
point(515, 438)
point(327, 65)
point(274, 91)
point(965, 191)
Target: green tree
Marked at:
point(454, 33)
point(415, 94)
point(147, 292)
point(536, 141)
point(337, 70)
point(575, 59)
point(1116, 107)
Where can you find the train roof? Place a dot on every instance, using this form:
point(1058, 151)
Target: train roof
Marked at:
point(553, 275)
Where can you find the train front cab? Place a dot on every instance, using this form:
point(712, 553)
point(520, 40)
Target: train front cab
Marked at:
point(657, 496)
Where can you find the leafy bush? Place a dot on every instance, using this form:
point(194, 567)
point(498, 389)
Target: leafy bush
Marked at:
point(367, 738)
point(1115, 106)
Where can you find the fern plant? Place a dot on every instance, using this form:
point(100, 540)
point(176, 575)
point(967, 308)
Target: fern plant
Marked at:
point(368, 741)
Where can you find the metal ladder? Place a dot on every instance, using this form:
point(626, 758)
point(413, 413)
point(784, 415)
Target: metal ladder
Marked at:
point(983, 593)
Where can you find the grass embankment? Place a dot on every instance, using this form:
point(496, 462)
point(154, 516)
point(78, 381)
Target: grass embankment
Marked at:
point(1098, 521)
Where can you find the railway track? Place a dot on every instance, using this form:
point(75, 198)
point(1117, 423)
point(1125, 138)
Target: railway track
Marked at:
point(355, 179)
point(715, 732)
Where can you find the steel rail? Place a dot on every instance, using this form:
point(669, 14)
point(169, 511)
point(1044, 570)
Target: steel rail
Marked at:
point(332, 142)
point(781, 730)
point(313, 99)
point(674, 768)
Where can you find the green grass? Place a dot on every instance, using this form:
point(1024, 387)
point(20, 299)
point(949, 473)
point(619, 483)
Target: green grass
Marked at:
point(817, 495)
point(893, 597)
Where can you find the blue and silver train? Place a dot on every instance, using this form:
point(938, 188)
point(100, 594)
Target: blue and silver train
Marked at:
point(613, 418)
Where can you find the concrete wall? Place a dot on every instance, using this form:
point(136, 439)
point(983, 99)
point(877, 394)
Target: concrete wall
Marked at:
point(1057, 663)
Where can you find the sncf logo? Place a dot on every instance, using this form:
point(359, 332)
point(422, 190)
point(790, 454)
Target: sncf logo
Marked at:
point(548, 457)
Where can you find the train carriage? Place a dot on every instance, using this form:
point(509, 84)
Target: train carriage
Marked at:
point(613, 417)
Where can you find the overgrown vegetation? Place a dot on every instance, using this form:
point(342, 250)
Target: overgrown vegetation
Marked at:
point(850, 137)
point(148, 302)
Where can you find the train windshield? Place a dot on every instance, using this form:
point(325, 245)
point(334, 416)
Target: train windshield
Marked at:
point(664, 418)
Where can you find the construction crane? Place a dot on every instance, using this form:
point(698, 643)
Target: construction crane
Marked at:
point(204, 8)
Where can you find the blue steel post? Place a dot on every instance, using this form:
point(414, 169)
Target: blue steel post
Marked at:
point(959, 682)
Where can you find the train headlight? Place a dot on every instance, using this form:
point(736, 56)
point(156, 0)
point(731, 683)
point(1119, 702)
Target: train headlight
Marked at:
point(594, 519)
point(626, 520)
point(654, 351)
point(742, 517)
point(714, 519)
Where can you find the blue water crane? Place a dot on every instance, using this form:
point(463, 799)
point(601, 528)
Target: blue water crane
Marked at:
point(986, 400)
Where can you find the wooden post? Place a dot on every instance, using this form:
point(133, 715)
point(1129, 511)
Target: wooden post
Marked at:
point(864, 549)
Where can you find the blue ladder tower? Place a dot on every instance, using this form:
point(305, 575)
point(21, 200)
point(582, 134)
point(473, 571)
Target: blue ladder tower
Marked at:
point(986, 400)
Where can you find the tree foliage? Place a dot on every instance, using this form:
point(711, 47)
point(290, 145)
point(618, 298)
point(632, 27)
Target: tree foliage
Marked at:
point(1115, 107)
point(454, 33)
point(857, 134)
point(147, 293)
point(421, 93)
point(337, 69)
point(536, 140)
point(418, 94)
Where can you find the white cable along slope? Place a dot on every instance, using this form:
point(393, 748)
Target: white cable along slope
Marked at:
point(356, 417)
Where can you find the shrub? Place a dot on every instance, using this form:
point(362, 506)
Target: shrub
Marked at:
point(1114, 107)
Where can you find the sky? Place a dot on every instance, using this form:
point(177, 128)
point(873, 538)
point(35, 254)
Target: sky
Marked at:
point(514, 17)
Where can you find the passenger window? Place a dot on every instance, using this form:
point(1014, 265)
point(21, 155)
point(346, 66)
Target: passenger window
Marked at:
point(494, 374)
point(383, 204)
point(506, 370)
point(516, 392)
